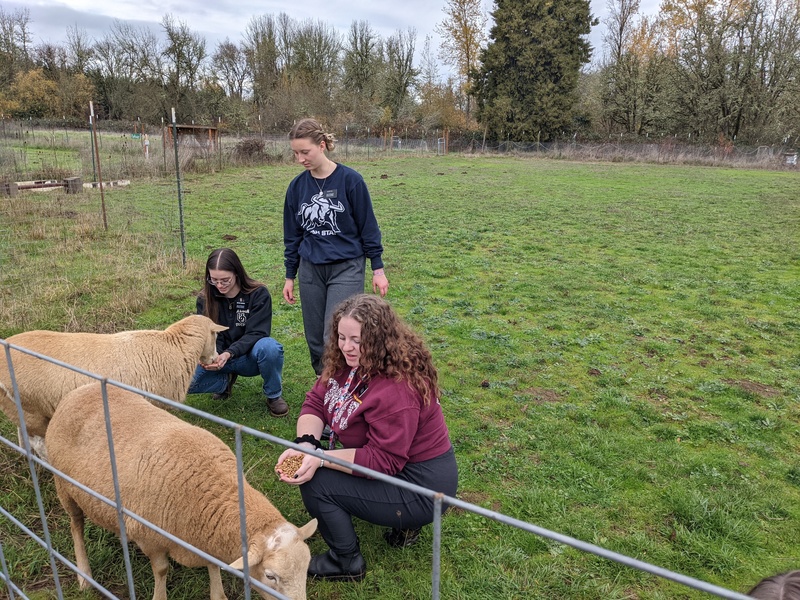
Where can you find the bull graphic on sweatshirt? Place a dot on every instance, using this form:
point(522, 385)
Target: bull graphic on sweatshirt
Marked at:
point(320, 212)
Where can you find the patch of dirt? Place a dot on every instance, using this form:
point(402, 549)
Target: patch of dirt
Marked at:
point(476, 498)
point(228, 237)
point(759, 389)
point(657, 394)
point(541, 395)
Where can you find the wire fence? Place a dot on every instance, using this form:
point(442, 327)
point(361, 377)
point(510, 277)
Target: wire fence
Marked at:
point(57, 556)
point(52, 151)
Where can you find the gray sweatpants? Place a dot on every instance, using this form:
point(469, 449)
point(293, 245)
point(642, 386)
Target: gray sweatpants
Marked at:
point(322, 288)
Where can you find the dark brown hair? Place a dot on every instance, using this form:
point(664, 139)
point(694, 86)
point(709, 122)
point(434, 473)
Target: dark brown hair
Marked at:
point(388, 346)
point(225, 259)
point(785, 586)
point(311, 129)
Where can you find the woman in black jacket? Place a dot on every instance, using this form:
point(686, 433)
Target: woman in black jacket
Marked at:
point(231, 298)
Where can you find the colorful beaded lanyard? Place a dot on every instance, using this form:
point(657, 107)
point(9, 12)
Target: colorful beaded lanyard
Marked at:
point(344, 396)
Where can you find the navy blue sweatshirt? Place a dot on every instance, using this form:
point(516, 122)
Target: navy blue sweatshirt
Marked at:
point(329, 225)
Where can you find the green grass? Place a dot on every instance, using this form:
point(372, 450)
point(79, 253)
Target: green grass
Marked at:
point(618, 345)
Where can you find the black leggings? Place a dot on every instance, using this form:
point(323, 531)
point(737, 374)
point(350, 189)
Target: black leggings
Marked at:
point(333, 498)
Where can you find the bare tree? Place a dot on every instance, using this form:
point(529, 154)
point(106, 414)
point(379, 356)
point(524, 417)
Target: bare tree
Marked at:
point(362, 61)
point(126, 69)
point(261, 52)
point(362, 64)
point(184, 58)
point(400, 72)
point(619, 23)
point(286, 34)
point(317, 50)
point(51, 58)
point(463, 33)
point(229, 65)
point(15, 52)
point(441, 103)
point(79, 50)
point(429, 86)
point(629, 78)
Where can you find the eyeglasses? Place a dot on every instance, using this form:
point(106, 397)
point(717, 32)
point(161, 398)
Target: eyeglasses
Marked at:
point(225, 281)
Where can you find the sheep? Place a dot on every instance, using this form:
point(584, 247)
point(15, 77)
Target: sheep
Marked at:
point(179, 477)
point(159, 362)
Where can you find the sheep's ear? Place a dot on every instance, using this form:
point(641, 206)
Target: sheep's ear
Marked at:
point(307, 530)
point(217, 328)
point(253, 558)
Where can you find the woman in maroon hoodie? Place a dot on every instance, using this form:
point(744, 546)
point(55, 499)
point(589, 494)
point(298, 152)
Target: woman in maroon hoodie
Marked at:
point(378, 393)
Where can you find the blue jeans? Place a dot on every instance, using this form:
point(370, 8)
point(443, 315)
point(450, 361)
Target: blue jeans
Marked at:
point(265, 359)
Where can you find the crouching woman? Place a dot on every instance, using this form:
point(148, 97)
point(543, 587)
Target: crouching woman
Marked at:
point(378, 393)
point(231, 298)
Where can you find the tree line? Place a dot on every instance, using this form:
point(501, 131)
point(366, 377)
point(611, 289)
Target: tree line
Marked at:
point(712, 70)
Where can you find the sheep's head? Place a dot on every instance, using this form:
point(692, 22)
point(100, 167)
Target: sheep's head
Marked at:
point(209, 354)
point(280, 559)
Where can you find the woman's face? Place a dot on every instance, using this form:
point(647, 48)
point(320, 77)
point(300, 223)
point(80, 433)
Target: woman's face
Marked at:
point(350, 340)
point(310, 155)
point(224, 281)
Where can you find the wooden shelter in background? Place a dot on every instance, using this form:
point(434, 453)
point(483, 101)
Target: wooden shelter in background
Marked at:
point(192, 136)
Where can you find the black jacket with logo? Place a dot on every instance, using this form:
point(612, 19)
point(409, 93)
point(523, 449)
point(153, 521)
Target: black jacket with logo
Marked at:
point(247, 316)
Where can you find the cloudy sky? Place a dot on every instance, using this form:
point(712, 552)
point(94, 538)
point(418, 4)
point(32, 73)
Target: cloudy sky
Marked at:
point(220, 19)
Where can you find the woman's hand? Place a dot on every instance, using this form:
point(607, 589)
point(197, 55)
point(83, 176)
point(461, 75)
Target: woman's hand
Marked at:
point(379, 282)
point(288, 291)
point(306, 470)
point(220, 362)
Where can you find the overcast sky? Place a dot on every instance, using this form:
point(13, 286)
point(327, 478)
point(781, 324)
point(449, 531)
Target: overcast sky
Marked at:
point(216, 20)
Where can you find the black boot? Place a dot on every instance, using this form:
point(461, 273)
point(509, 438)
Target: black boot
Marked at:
point(227, 393)
point(351, 567)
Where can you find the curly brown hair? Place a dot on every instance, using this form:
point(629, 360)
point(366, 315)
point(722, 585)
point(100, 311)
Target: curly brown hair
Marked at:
point(785, 586)
point(388, 346)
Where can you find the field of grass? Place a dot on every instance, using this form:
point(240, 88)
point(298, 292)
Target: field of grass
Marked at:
point(618, 345)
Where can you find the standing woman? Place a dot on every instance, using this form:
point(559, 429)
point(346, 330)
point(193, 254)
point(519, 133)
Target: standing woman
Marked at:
point(379, 395)
point(329, 229)
point(230, 297)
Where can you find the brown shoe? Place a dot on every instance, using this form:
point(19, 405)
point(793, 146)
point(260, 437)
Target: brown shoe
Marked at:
point(277, 406)
point(227, 393)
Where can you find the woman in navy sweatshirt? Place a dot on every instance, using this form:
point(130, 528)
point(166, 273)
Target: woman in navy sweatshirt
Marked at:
point(329, 229)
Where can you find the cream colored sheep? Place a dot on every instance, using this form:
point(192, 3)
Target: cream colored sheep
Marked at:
point(159, 362)
point(177, 476)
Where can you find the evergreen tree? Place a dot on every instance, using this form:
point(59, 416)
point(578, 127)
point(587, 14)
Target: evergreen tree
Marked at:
point(526, 84)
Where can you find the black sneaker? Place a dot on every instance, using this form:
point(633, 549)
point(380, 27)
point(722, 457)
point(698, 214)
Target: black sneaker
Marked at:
point(401, 538)
point(227, 393)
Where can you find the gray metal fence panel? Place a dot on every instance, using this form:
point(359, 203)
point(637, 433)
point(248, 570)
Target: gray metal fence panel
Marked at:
point(239, 429)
